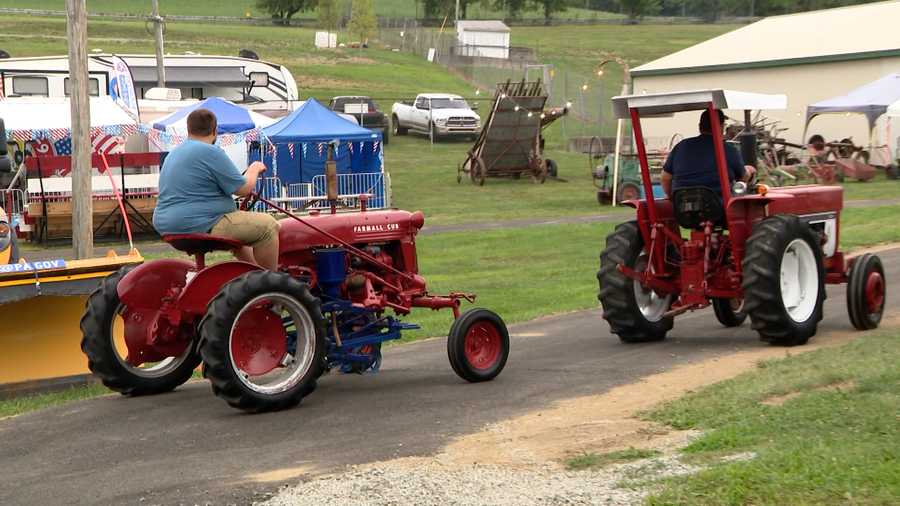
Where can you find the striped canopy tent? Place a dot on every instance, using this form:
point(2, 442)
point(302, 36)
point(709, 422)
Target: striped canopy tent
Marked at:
point(46, 123)
point(235, 126)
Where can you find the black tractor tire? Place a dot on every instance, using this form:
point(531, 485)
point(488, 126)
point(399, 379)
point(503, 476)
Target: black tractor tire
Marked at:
point(762, 265)
point(456, 345)
point(726, 313)
point(386, 136)
point(215, 337)
point(552, 169)
point(863, 315)
point(397, 127)
point(104, 361)
point(892, 171)
point(433, 135)
point(616, 294)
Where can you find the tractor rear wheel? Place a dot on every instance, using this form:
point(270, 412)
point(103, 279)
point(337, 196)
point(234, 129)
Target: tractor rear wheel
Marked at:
point(103, 326)
point(478, 345)
point(865, 292)
point(635, 313)
point(729, 312)
point(784, 280)
point(263, 342)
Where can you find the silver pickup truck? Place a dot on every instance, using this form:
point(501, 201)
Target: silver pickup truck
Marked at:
point(435, 114)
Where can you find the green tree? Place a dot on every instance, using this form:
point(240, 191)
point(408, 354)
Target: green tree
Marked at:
point(437, 9)
point(362, 19)
point(551, 7)
point(329, 14)
point(636, 9)
point(513, 8)
point(282, 10)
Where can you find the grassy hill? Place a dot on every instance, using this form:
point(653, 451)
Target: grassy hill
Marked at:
point(240, 8)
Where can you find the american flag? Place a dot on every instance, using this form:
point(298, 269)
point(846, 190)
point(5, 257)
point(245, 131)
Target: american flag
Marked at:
point(102, 142)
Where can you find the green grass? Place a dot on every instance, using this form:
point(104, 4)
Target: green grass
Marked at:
point(598, 460)
point(826, 446)
point(239, 8)
point(19, 405)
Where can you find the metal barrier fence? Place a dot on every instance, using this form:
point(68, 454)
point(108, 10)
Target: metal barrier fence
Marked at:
point(13, 202)
point(373, 183)
point(299, 196)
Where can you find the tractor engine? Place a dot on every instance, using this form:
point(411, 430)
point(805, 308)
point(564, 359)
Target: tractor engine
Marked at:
point(384, 275)
point(375, 270)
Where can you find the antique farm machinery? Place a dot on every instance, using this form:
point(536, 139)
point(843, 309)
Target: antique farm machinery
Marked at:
point(750, 251)
point(265, 337)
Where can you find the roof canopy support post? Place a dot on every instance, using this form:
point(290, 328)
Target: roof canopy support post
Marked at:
point(645, 166)
point(719, 147)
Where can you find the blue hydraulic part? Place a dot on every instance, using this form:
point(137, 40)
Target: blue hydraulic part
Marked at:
point(331, 270)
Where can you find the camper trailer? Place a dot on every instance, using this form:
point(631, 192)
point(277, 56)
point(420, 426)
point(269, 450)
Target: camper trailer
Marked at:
point(257, 85)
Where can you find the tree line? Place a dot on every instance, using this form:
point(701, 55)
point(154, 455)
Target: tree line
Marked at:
point(359, 15)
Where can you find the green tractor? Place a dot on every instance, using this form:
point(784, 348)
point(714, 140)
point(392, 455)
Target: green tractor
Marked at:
point(629, 186)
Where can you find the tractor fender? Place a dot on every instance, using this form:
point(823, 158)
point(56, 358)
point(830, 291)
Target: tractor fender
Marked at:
point(148, 284)
point(207, 283)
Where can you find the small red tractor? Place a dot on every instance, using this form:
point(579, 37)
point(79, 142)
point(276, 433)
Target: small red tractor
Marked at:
point(265, 337)
point(749, 251)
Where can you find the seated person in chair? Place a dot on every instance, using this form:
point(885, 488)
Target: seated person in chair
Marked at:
point(196, 187)
point(692, 161)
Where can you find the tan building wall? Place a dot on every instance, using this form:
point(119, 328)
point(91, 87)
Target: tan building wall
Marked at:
point(803, 84)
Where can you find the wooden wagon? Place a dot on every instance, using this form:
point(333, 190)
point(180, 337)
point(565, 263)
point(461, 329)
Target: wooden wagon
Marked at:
point(510, 144)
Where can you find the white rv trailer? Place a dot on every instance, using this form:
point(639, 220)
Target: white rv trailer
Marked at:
point(257, 85)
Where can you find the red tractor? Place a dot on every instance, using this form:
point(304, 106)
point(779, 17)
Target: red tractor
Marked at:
point(751, 251)
point(265, 337)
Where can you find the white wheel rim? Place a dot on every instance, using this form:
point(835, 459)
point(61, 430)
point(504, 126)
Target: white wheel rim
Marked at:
point(799, 280)
point(297, 365)
point(652, 305)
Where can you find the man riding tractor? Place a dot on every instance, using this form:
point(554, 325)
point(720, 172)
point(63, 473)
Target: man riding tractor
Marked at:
point(750, 251)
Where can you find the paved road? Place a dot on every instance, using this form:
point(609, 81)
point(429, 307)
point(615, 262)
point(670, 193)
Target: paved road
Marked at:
point(156, 248)
point(190, 447)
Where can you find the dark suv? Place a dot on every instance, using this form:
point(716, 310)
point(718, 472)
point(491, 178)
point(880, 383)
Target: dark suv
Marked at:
point(365, 111)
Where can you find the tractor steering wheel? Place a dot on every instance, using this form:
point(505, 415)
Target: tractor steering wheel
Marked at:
point(249, 201)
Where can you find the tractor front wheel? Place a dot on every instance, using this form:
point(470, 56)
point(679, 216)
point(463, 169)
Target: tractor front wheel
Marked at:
point(263, 342)
point(103, 327)
point(866, 289)
point(478, 345)
point(784, 280)
point(729, 312)
point(635, 313)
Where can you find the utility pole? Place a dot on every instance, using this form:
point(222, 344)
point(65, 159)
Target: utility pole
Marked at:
point(82, 213)
point(457, 11)
point(158, 32)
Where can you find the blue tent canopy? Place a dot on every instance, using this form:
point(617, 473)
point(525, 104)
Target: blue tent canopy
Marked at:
point(314, 122)
point(296, 147)
point(231, 118)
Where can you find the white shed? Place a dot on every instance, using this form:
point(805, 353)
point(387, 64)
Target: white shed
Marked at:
point(486, 39)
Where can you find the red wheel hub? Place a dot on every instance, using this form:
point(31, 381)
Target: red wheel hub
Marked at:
point(258, 340)
point(483, 345)
point(875, 292)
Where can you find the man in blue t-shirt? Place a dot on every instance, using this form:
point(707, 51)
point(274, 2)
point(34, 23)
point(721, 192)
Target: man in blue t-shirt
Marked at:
point(196, 188)
point(692, 161)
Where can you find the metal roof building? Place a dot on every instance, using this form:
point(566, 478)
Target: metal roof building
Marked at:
point(808, 56)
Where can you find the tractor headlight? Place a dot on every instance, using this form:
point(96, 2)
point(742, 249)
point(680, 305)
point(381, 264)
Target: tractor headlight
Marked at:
point(739, 188)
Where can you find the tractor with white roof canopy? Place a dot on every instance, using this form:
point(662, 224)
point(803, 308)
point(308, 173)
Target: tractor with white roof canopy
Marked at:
point(754, 251)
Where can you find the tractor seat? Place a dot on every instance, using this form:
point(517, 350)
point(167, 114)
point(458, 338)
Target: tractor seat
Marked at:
point(695, 205)
point(194, 244)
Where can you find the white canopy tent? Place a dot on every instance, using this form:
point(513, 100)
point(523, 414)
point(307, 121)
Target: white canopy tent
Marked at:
point(33, 118)
point(666, 104)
